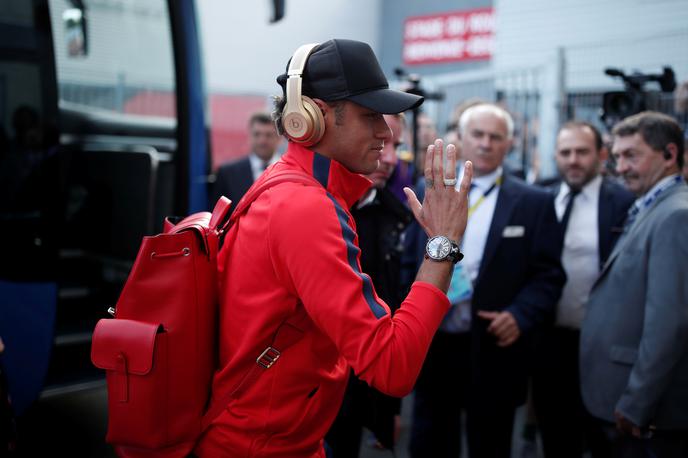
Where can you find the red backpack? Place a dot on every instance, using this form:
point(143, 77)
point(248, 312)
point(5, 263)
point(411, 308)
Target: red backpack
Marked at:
point(159, 352)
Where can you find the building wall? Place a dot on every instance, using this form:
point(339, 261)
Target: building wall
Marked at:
point(630, 34)
point(244, 53)
point(573, 42)
point(391, 33)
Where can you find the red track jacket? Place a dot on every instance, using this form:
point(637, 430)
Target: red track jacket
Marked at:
point(297, 247)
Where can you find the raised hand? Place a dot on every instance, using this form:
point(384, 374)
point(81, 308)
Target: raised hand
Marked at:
point(444, 210)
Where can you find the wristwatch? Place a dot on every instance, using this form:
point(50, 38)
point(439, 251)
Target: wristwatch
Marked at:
point(440, 248)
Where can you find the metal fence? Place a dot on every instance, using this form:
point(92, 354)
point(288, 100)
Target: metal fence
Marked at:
point(518, 91)
point(542, 98)
point(585, 79)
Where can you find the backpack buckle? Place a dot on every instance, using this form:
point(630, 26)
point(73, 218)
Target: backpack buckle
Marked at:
point(268, 357)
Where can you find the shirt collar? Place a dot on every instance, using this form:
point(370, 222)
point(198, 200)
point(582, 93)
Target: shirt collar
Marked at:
point(646, 199)
point(367, 198)
point(258, 162)
point(588, 191)
point(332, 175)
point(485, 181)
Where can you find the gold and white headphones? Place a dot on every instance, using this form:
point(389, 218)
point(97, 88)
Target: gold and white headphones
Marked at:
point(302, 120)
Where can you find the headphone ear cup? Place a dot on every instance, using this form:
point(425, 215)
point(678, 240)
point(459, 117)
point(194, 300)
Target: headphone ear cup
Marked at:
point(297, 124)
point(316, 119)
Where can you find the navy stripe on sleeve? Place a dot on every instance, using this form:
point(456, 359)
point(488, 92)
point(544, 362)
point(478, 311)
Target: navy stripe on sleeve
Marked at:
point(352, 252)
point(321, 169)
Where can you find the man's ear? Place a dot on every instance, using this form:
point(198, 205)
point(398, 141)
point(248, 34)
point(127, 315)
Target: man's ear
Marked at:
point(324, 107)
point(670, 152)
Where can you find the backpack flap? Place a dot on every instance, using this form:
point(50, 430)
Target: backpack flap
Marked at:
point(124, 347)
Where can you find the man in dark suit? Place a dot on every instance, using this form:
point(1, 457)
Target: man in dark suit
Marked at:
point(509, 282)
point(591, 210)
point(634, 338)
point(234, 179)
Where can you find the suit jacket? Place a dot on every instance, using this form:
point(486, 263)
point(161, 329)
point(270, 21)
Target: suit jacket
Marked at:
point(232, 181)
point(634, 339)
point(612, 207)
point(520, 272)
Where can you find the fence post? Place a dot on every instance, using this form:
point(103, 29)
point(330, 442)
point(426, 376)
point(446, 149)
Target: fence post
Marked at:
point(551, 103)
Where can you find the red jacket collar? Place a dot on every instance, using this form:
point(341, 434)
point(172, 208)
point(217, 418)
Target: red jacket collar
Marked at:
point(331, 174)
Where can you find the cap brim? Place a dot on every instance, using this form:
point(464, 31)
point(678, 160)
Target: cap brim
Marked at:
point(387, 101)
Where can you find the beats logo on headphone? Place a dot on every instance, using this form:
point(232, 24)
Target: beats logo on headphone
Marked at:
point(302, 119)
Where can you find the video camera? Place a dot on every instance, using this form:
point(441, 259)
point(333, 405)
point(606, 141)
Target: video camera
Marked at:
point(415, 88)
point(617, 105)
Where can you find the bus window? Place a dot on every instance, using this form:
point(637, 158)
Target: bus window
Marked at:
point(28, 145)
point(28, 204)
point(127, 66)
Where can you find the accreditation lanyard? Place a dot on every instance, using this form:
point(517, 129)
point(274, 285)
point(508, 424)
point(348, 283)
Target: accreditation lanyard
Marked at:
point(482, 198)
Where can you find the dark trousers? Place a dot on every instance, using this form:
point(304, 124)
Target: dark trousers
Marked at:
point(662, 444)
point(344, 437)
point(442, 393)
point(490, 431)
point(362, 407)
point(566, 428)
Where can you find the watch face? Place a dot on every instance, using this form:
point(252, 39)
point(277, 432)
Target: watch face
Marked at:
point(438, 247)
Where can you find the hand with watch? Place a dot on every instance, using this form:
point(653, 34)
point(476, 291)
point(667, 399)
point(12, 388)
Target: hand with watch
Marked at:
point(439, 248)
point(443, 214)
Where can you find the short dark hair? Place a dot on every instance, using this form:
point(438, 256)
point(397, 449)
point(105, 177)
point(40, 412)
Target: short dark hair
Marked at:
point(657, 130)
point(259, 118)
point(582, 125)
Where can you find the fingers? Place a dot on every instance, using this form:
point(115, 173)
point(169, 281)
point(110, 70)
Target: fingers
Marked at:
point(429, 155)
point(437, 166)
point(487, 315)
point(413, 201)
point(503, 326)
point(465, 186)
point(416, 208)
point(434, 164)
point(500, 325)
point(509, 337)
point(450, 170)
point(506, 342)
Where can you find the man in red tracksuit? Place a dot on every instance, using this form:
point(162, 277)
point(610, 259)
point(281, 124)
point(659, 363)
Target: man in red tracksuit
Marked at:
point(295, 254)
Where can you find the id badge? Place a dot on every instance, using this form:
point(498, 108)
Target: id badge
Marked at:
point(461, 287)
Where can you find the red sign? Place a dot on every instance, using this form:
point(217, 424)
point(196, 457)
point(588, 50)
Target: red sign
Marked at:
point(449, 37)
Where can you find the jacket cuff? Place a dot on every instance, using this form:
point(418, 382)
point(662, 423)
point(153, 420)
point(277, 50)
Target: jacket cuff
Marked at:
point(625, 407)
point(522, 322)
point(432, 300)
point(433, 290)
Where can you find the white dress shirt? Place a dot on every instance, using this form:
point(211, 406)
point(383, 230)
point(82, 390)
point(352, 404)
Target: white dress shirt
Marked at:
point(473, 243)
point(581, 255)
point(257, 164)
point(479, 223)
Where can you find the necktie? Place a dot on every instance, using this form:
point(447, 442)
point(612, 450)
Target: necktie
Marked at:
point(569, 207)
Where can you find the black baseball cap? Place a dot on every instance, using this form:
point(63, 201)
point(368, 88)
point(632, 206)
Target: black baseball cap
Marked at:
point(348, 70)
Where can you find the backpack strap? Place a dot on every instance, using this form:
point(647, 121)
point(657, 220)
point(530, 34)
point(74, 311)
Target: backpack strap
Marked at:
point(291, 176)
point(290, 331)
